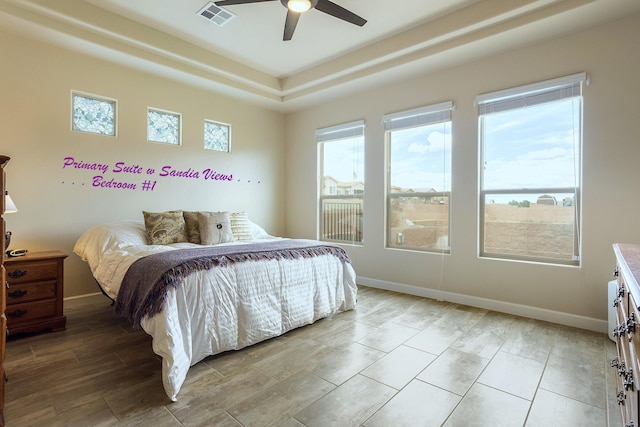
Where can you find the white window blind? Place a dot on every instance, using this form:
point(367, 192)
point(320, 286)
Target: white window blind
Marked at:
point(346, 130)
point(532, 94)
point(423, 116)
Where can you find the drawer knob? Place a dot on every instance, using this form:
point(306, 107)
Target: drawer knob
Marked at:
point(621, 291)
point(17, 274)
point(631, 324)
point(628, 380)
point(622, 369)
point(17, 293)
point(17, 313)
point(618, 300)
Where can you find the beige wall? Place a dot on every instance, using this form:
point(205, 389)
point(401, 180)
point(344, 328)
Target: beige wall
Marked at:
point(611, 167)
point(57, 204)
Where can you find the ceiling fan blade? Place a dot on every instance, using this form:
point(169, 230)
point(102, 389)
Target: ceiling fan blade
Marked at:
point(290, 25)
point(232, 2)
point(340, 12)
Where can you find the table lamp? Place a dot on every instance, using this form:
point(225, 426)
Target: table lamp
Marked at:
point(9, 207)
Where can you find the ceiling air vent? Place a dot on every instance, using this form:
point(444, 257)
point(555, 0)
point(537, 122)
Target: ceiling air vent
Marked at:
point(216, 14)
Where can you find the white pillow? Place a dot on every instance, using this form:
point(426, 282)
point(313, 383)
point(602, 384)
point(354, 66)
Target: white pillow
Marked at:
point(257, 232)
point(240, 226)
point(110, 236)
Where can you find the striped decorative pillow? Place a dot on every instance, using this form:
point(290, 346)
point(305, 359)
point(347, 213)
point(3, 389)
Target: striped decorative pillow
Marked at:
point(240, 226)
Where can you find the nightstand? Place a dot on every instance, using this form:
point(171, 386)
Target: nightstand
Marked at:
point(35, 291)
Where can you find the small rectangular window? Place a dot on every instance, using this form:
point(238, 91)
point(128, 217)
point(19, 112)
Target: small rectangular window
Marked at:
point(419, 178)
point(341, 164)
point(93, 114)
point(164, 126)
point(530, 174)
point(217, 136)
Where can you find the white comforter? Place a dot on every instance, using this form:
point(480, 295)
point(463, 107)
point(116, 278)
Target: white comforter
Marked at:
point(228, 308)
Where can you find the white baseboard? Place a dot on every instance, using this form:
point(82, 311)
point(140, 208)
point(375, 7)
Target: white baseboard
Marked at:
point(86, 299)
point(567, 319)
point(582, 322)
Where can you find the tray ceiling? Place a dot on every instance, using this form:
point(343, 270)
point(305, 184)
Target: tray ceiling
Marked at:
point(247, 58)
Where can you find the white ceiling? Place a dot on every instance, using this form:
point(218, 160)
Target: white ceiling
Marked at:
point(326, 57)
point(254, 36)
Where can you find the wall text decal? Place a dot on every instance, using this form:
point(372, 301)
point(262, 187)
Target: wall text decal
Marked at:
point(125, 173)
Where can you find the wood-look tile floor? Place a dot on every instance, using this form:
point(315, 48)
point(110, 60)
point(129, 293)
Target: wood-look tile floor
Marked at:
point(397, 360)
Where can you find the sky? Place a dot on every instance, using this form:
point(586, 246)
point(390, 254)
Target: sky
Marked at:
point(344, 159)
point(421, 157)
point(532, 147)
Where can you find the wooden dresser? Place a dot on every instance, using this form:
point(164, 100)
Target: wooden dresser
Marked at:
point(627, 331)
point(35, 291)
point(3, 319)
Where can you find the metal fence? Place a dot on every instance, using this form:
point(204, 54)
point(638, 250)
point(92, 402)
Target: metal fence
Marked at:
point(342, 221)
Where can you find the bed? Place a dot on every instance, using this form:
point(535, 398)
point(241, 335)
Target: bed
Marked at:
point(236, 287)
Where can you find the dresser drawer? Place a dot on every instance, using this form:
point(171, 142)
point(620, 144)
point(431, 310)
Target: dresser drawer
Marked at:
point(633, 338)
point(25, 292)
point(26, 312)
point(3, 301)
point(31, 272)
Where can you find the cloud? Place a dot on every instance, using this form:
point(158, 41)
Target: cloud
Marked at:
point(419, 148)
point(550, 154)
point(436, 142)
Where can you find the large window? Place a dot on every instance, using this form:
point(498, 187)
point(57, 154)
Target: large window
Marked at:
point(419, 178)
point(530, 171)
point(341, 155)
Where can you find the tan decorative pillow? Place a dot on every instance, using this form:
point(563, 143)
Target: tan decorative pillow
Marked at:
point(215, 227)
point(164, 228)
point(240, 226)
point(193, 227)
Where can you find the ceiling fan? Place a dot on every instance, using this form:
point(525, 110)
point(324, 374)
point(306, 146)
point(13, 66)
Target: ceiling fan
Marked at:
point(296, 7)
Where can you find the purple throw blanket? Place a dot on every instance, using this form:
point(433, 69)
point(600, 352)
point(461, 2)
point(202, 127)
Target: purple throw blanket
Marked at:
point(146, 283)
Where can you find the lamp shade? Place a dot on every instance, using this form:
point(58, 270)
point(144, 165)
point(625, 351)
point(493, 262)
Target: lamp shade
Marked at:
point(9, 206)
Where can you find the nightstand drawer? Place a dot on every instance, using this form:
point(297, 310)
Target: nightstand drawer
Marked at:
point(35, 293)
point(26, 292)
point(20, 313)
point(31, 272)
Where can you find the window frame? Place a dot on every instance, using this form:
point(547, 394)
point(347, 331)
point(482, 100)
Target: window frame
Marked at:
point(334, 134)
point(414, 118)
point(535, 94)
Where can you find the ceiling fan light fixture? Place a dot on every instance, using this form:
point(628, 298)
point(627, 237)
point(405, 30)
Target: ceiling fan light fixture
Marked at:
point(299, 5)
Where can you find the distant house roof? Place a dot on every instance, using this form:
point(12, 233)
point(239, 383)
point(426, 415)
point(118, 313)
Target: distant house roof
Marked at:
point(546, 199)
